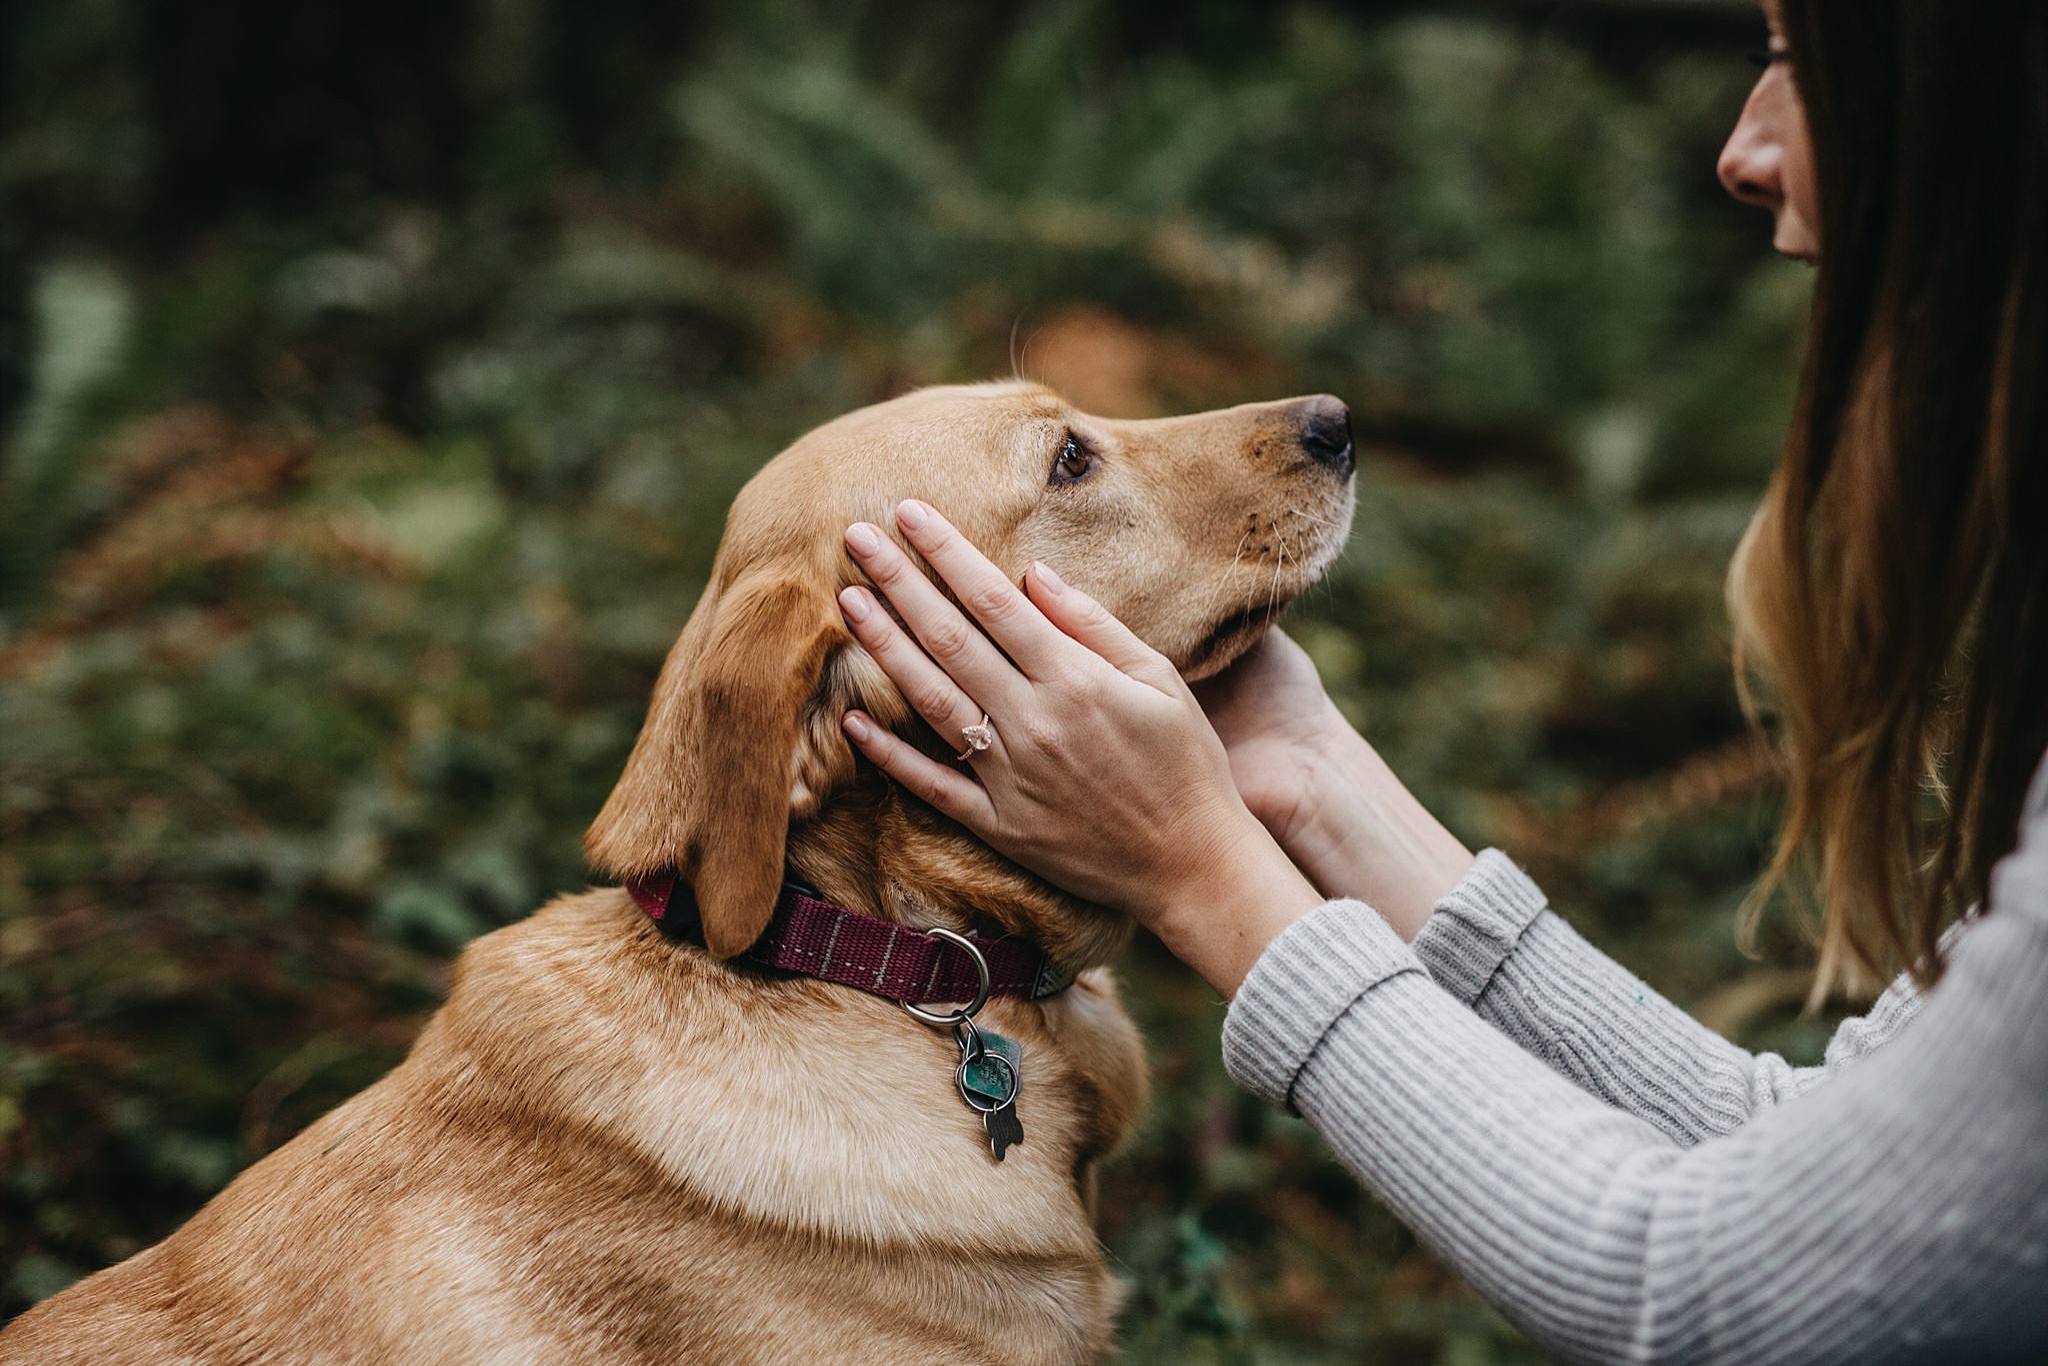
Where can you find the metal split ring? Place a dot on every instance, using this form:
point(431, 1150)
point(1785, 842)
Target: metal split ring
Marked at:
point(980, 994)
point(977, 1101)
point(972, 1051)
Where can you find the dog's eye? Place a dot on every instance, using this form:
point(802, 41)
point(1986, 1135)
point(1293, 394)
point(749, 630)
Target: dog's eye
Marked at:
point(1074, 462)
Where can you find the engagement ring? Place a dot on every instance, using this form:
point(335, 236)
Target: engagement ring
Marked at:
point(978, 737)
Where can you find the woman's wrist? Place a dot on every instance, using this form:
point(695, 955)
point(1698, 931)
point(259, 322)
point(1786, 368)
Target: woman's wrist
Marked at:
point(1364, 835)
point(1220, 919)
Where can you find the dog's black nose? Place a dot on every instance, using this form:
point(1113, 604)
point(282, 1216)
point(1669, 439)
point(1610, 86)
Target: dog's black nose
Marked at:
point(1326, 433)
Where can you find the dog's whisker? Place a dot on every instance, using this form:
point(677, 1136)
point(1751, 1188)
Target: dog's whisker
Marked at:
point(1311, 517)
point(1273, 588)
point(1223, 579)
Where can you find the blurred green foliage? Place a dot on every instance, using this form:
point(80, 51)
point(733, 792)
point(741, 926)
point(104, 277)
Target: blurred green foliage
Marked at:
point(344, 525)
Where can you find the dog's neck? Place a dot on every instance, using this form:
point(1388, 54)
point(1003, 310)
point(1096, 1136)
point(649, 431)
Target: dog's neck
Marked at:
point(874, 849)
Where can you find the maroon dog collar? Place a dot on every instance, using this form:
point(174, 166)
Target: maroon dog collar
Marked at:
point(816, 938)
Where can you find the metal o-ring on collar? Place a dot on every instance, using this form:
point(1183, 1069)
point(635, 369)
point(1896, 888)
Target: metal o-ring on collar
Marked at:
point(980, 994)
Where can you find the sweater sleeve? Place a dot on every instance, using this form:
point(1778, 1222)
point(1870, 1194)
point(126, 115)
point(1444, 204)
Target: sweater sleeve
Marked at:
point(1495, 946)
point(1898, 1213)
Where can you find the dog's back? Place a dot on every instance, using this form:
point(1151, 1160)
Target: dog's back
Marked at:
point(607, 1146)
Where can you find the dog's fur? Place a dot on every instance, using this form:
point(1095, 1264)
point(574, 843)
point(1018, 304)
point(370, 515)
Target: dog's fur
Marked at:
point(611, 1145)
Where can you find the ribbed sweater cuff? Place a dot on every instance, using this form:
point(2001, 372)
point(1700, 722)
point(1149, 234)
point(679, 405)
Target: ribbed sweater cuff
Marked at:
point(1300, 985)
point(1478, 925)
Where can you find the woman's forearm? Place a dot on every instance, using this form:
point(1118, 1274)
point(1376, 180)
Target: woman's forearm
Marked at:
point(1888, 1216)
point(1361, 834)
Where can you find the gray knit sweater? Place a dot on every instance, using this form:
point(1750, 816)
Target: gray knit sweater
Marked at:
point(1628, 1186)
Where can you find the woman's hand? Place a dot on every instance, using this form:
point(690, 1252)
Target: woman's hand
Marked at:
point(1324, 793)
point(1103, 775)
point(1277, 724)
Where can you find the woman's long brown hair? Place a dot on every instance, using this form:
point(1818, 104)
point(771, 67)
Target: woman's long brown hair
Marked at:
point(1892, 594)
point(1893, 590)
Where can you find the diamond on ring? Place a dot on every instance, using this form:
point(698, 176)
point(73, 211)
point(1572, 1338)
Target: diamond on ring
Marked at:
point(978, 737)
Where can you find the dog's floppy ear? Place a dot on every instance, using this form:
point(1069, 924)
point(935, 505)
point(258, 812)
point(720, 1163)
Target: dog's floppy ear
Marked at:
point(742, 734)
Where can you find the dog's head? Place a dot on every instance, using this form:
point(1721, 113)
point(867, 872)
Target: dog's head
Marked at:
point(1196, 531)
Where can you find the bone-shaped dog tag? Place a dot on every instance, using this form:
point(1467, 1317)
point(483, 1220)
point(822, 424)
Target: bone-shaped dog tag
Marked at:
point(1003, 1129)
point(991, 1076)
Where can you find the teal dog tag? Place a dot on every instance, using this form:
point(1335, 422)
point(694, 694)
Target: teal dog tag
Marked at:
point(990, 1075)
point(998, 1073)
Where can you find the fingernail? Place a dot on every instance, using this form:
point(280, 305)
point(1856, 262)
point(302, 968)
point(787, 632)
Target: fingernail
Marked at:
point(857, 726)
point(854, 603)
point(911, 514)
point(864, 539)
point(1051, 582)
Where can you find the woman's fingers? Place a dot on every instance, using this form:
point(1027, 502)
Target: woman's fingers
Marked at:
point(951, 640)
point(930, 692)
point(947, 790)
point(1095, 626)
point(1009, 617)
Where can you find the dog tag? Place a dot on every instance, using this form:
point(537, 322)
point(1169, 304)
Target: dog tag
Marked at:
point(990, 1076)
point(990, 1071)
point(1003, 1129)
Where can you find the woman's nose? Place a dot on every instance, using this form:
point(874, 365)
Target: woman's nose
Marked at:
point(1752, 163)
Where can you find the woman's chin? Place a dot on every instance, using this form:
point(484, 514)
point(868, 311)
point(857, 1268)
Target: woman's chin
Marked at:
point(1795, 240)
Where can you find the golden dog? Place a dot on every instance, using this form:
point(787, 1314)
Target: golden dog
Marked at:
point(611, 1145)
